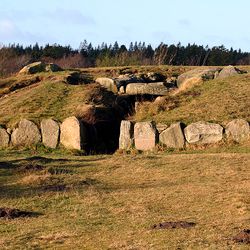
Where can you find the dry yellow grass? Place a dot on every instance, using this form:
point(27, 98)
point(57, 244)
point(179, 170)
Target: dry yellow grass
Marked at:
point(113, 201)
point(219, 100)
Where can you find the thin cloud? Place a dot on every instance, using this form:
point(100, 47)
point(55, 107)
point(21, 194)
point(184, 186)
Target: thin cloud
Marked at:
point(11, 33)
point(68, 16)
point(184, 22)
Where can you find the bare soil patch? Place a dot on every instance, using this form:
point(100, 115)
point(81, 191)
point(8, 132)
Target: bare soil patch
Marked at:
point(56, 188)
point(243, 237)
point(174, 225)
point(30, 167)
point(12, 213)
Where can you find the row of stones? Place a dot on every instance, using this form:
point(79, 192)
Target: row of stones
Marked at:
point(145, 135)
point(51, 133)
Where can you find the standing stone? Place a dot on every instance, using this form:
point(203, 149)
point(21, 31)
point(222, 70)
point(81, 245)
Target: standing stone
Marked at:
point(238, 130)
point(50, 133)
point(173, 136)
point(4, 138)
point(145, 135)
point(73, 134)
point(26, 134)
point(203, 133)
point(126, 135)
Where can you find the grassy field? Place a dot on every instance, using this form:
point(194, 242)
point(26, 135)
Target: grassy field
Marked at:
point(111, 202)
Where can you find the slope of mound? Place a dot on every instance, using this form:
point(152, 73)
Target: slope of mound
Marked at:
point(49, 99)
point(217, 100)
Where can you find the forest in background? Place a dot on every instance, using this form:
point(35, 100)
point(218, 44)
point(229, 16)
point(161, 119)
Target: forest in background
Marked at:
point(14, 56)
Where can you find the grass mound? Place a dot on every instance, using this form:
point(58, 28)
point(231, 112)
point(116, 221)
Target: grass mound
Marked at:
point(219, 100)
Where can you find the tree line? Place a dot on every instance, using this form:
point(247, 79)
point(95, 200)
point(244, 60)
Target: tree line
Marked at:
point(14, 56)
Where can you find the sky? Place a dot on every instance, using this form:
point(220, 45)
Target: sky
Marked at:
point(208, 22)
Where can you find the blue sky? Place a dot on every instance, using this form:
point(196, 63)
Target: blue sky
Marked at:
point(212, 22)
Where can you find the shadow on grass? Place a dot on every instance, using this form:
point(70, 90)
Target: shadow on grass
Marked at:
point(9, 175)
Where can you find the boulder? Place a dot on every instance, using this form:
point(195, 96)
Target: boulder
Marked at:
point(107, 83)
point(73, 134)
point(126, 138)
point(145, 136)
point(173, 136)
point(26, 134)
point(124, 80)
point(153, 77)
point(51, 67)
point(4, 138)
point(229, 71)
point(160, 99)
point(156, 88)
point(203, 133)
point(238, 130)
point(33, 68)
point(37, 67)
point(196, 76)
point(50, 133)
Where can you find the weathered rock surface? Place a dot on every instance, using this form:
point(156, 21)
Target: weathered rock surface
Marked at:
point(4, 138)
point(195, 76)
point(153, 77)
point(50, 133)
point(51, 67)
point(161, 127)
point(107, 83)
point(173, 136)
point(37, 67)
point(229, 71)
point(73, 134)
point(238, 130)
point(124, 80)
point(156, 88)
point(126, 138)
point(145, 135)
point(203, 133)
point(26, 134)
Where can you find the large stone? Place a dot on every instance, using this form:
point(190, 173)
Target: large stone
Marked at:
point(229, 71)
point(124, 80)
point(26, 134)
point(203, 133)
point(145, 136)
point(37, 67)
point(196, 76)
point(153, 77)
point(4, 138)
point(126, 139)
point(73, 134)
point(107, 83)
point(33, 68)
point(238, 130)
point(156, 88)
point(52, 67)
point(173, 136)
point(50, 133)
